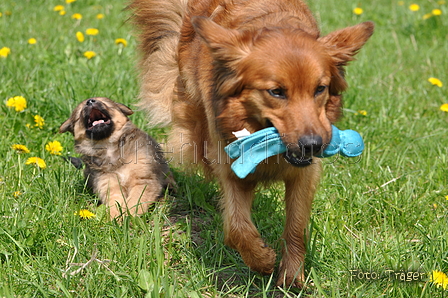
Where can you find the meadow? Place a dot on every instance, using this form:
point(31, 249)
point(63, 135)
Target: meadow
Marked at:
point(379, 224)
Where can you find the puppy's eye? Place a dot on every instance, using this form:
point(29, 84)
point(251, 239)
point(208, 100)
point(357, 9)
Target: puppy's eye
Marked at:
point(277, 93)
point(320, 90)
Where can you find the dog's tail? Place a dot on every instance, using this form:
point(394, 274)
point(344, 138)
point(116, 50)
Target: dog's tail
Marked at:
point(159, 23)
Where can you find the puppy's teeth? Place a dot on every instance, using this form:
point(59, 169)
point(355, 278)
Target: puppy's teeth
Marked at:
point(97, 122)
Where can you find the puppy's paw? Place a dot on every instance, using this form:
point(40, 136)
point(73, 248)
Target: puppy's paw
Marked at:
point(115, 213)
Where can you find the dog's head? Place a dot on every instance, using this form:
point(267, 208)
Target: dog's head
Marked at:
point(96, 118)
point(282, 77)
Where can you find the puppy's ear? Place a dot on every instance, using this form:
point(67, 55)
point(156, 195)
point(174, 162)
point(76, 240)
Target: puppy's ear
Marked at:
point(342, 45)
point(225, 44)
point(67, 126)
point(125, 109)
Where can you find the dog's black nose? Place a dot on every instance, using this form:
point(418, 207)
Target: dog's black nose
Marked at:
point(90, 101)
point(310, 144)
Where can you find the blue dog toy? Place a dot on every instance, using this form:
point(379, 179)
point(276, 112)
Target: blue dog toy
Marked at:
point(250, 150)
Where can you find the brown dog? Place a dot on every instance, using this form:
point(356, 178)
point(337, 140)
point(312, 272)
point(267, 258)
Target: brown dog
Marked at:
point(213, 67)
point(123, 164)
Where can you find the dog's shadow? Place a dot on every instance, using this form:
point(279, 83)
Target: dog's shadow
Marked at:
point(195, 207)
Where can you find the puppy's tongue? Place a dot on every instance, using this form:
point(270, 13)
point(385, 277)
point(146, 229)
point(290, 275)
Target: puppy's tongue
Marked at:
point(97, 122)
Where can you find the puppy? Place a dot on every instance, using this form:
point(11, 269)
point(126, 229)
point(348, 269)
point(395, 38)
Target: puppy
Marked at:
point(123, 164)
point(213, 67)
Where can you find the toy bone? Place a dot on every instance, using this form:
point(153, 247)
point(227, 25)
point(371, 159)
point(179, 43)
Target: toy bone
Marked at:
point(252, 149)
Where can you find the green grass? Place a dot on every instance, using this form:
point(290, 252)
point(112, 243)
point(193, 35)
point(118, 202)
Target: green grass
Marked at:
point(385, 211)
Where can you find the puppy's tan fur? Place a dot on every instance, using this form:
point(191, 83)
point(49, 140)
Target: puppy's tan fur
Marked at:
point(123, 164)
point(213, 67)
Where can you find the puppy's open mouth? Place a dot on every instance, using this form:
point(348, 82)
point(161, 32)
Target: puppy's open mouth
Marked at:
point(98, 123)
point(96, 117)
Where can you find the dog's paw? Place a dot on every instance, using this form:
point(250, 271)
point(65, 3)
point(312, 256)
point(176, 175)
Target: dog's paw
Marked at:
point(261, 258)
point(289, 283)
point(290, 277)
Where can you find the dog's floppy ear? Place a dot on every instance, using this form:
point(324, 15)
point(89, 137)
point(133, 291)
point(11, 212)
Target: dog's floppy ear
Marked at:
point(227, 47)
point(125, 109)
point(67, 126)
point(225, 44)
point(343, 44)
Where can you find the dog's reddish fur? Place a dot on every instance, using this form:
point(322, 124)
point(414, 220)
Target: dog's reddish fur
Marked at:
point(212, 67)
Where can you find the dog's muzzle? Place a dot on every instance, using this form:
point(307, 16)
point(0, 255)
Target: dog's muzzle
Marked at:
point(301, 154)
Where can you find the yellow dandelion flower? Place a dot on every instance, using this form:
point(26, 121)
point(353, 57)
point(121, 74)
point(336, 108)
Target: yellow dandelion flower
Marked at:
point(414, 7)
point(121, 41)
point(362, 112)
point(69, 1)
point(77, 16)
point(441, 2)
point(1, 14)
point(436, 12)
point(89, 54)
point(62, 12)
point(20, 148)
point(100, 16)
point(446, 197)
point(401, 3)
point(17, 193)
point(58, 8)
point(17, 102)
point(4, 52)
point(435, 82)
point(36, 161)
point(80, 36)
point(358, 11)
point(92, 31)
point(439, 278)
point(85, 214)
point(32, 41)
point(54, 147)
point(427, 16)
point(40, 122)
point(444, 108)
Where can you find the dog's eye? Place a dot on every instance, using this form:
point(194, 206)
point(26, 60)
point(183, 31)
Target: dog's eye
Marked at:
point(277, 93)
point(319, 90)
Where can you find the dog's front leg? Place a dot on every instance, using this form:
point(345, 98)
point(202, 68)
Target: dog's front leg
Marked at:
point(300, 189)
point(239, 231)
